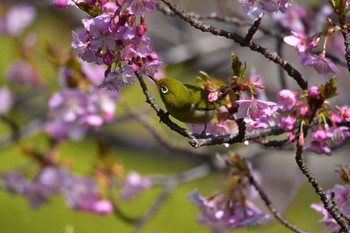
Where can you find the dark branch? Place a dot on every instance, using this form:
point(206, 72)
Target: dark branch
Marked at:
point(237, 137)
point(252, 30)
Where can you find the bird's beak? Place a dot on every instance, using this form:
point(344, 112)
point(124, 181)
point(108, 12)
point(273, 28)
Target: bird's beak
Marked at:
point(153, 79)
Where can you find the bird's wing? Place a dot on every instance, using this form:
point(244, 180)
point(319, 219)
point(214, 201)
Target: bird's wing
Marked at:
point(200, 99)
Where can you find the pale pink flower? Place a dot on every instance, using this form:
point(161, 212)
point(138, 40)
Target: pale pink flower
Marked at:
point(286, 99)
point(133, 185)
point(320, 63)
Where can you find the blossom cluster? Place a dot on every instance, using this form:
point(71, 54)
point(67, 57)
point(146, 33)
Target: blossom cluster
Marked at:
point(75, 109)
point(116, 37)
point(326, 131)
point(255, 8)
point(232, 209)
point(81, 193)
point(220, 213)
point(306, 34)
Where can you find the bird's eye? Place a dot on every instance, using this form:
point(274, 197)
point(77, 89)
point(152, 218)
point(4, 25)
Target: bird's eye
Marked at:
point(164, 89)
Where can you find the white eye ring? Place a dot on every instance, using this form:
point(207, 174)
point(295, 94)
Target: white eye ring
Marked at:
point(164, 89)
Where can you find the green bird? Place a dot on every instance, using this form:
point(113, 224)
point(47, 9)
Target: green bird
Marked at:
point(186, 103)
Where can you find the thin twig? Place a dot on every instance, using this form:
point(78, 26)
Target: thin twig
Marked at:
point(170, 182)
point(236, 137)
point(252, 30)
point(270, 206)
point(27, 130)
point(282, 77)
point(157, 204)
point(239, 22)
point(185, 176)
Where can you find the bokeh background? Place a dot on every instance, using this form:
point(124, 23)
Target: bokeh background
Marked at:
point(185, 51)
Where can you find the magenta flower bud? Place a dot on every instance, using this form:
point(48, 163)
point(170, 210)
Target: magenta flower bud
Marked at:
point(60, 3)
point(304, 109)
point(314, 92)
point(286, 99)
point(153, 56)
point(213, 96)
point(141, 29)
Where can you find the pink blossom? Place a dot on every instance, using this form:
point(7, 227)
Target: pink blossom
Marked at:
point(342, 199)
point(101, 36)
point(16, 19)
point(102, 206)
point(139, 7)
point(94, 73)
point(304, 109)
point(221, 214)
point(255, 9)
point(61, 130)
point(345, 112)
point(74, 111)
point(213, 96)
point(320, 63)
point(339, 134)
point(301, 42)
point(327, 219)
point(14, 182)
point(293, 19)
point(286, 99)
point(115, 80)
point(314, 91)
point(319, 148)
point(60, 3)
point(23, 73)
point(82, 194)
point(133, 185)
point(320, 135)
point(288, 122)
point(255, 110)
point(6, 100)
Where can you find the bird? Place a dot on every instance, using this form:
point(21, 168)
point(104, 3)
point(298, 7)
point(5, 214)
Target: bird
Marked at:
point(186, 103)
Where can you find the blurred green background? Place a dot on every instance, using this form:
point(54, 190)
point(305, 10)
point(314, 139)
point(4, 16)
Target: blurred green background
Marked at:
point(133, 146)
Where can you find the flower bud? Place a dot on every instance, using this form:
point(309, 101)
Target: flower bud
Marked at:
point(60, 3)
point(314, 92)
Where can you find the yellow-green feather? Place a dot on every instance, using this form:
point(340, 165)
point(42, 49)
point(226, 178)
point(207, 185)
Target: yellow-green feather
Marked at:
point(186, 103)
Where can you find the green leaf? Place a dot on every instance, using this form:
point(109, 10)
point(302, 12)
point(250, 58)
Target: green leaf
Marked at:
point(91, 10)
point(339, 7)
point(329, 89)
point(237, 67)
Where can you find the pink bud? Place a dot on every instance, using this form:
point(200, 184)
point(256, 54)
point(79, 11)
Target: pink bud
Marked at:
point(304, 109)
point(60, 3)
point(213, 96)
point(301, 139)
point(141, 29)
point(286, 99)
point(314, 92)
